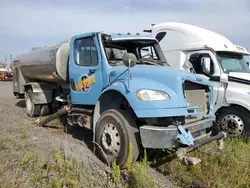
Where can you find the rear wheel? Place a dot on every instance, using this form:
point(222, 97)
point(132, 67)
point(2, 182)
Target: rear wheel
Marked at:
point(114, 132)
point(32, 109)
point(235, 121)
point(45, 110)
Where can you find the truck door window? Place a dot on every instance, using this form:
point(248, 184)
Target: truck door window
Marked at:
point(85, 53)
point(196, 62)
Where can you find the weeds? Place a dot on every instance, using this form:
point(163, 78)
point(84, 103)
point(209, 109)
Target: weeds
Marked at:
point(142, 177)
point(58, 172)
point(3, 143)
point(29, 158)
point(138, 176)
point(55, 121)
point(130, 159)
point(230, 168)
point(116, 173)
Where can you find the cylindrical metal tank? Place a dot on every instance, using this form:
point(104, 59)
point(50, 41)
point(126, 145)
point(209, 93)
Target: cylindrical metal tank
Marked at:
point(48, 64)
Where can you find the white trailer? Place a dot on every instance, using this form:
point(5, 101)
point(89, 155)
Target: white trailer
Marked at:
point(211, 55)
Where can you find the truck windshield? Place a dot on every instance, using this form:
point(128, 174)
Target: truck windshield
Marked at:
point(148, 52)
point(231, 62)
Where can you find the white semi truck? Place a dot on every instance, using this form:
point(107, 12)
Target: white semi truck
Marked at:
point(211, 55)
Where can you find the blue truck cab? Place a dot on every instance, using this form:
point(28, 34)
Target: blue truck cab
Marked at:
point(121, 93)
point(147, 104)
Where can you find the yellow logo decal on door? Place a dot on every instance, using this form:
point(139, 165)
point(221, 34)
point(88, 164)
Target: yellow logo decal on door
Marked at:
point(85, 83)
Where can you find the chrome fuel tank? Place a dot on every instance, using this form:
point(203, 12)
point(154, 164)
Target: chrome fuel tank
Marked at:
point(48, 64)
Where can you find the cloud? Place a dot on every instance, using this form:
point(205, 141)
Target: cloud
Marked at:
point(43, 22)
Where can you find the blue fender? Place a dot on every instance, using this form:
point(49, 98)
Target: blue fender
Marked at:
point(144, 109)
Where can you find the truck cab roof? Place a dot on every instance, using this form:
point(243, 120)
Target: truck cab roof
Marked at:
point(121, 36)
point(130, 37)
point(186, 36)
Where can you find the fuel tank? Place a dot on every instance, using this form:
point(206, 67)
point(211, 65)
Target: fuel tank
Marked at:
point(47, 64)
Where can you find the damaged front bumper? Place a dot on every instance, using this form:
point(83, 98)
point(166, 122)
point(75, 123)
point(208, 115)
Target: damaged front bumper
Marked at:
point(175, 136)
point(184, 138)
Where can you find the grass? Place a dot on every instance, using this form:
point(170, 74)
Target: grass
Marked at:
point(142, 177)
point(64, 172)
point(230, 168)
point(60, 172)
point(137, 176)
point(23, 165)
point(56, 121)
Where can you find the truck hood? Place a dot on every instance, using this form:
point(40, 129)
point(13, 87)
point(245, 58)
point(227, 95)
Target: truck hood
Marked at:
point(239, 75)
point(159, 78)
point(160, 74)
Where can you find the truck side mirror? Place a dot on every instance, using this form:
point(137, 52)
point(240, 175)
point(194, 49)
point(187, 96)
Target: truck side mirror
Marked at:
point(129, 60)
point(205, 63)
point(248, 64)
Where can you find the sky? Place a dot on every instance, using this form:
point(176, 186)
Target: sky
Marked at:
point(31, 23)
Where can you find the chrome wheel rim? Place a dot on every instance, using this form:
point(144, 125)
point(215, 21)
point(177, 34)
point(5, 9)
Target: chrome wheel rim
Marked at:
point(232, 124)
point(111, 140)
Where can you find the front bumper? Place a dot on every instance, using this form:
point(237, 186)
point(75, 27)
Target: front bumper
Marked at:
point(166, 137)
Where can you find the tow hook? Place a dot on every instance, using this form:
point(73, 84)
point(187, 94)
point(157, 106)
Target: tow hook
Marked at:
point(181, 152)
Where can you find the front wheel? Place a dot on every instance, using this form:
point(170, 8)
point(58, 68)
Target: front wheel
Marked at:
point(115, 131)
point(235, 121)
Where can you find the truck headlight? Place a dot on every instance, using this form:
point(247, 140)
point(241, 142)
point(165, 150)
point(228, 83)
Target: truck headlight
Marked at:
point(152, 95)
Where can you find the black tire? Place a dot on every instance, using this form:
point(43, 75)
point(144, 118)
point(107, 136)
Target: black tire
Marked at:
point(32, 109)
point(238, 117)
point(45, 110)
point(128, 133)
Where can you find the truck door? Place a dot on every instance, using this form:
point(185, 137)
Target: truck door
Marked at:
point(85, 72)
point(214, 77)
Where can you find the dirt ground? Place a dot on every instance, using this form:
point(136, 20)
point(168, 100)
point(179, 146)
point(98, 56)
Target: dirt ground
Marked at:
point(21, 140)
